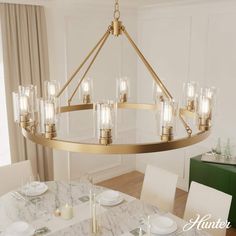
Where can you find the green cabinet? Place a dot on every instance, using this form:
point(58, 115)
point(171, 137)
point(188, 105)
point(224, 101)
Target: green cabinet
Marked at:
point(221, 177)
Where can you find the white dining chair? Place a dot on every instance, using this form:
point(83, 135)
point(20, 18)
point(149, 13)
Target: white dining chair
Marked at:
point(12, 176)
point(159, 188)
point(204, 200)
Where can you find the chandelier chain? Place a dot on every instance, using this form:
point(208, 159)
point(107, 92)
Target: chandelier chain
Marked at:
point(116, 10)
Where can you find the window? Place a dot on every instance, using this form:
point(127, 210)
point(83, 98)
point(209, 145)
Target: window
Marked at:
point(5, 156)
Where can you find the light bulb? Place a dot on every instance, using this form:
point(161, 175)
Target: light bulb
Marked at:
point(158, 89)
point(106, 117)
point(123, 86)
point(51, 90)
point(204, 106)
point(167, 113)
point(86, 87)
point(190, 91)
point(49, 112)
point(23, 103)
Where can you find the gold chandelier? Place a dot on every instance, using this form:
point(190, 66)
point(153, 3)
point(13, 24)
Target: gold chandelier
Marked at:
point(38, 117)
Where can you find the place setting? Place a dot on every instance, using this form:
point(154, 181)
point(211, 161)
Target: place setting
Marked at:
point(21, 228)
point(155, 225)
point(110, 198)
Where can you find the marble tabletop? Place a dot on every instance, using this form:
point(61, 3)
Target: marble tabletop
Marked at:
point(114, 221)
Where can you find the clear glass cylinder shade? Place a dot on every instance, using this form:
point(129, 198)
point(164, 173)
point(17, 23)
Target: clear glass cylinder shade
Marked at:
point(123, 89)
point(86, 90)
point(190, 95)
point(211, 93)
point(204, 106)
point(31, 92)
point(169, 111)
point(105, 117)
point(28, 101)
point(51, 88)
point(23, 104)
point(157, 93)
point(47, 113)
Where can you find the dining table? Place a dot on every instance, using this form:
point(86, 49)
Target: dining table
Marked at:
point(123, 219)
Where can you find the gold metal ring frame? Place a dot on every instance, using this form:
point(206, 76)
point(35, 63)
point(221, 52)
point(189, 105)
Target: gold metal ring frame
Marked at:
point(116, 148)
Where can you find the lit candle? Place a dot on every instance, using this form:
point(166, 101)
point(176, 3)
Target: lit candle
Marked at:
point(67, 212)
point(49, 113)
point(24, 106)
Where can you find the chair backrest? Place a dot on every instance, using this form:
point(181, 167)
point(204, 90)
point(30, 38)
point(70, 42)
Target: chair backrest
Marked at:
point(204, 200)
point(13, 176)
point(159, 188)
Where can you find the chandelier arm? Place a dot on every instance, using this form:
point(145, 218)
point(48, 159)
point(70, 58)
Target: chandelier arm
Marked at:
point(148, 66)
point(81, 65)
point(186, 126)
point(91, 63)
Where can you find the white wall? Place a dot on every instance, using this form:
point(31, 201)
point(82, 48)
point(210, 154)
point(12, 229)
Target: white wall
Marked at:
point(189, 40)
point(73, 29)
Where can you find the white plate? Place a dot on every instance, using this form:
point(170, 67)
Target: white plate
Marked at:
point(110, 195)
point(110, 198)
point(19, 228)
point(34, 189)
point(162, 225)
point(114, 203)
